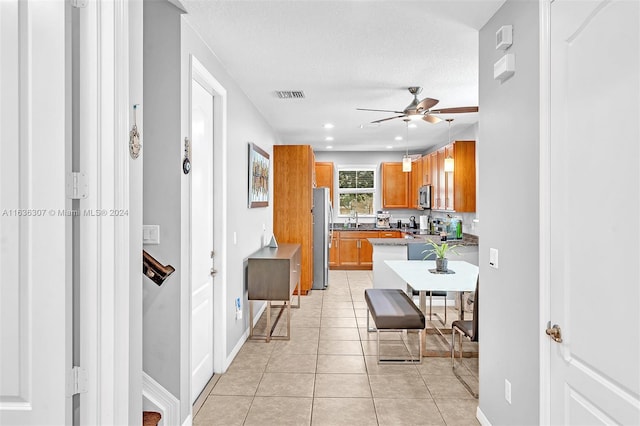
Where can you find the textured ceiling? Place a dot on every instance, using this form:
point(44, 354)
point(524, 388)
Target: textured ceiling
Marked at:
point(346, 55)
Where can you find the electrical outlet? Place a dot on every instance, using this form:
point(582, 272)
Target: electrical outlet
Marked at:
point(507, 390)
point(238, 309)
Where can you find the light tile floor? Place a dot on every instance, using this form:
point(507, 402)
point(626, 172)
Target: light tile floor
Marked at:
point(327, 374)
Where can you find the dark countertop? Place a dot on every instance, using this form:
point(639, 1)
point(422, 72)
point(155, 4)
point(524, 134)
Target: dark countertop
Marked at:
point(467, 240)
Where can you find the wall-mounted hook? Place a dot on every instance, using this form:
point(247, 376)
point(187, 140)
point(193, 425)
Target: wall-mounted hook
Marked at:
point(134, 136)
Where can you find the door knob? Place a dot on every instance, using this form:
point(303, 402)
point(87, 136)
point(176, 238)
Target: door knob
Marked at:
point(555, 332)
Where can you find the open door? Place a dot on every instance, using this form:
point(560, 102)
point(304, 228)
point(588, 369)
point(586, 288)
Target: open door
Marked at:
point(35, 290)
point(594, 212)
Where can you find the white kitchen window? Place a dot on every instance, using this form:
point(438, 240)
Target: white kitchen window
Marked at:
point(356, 190)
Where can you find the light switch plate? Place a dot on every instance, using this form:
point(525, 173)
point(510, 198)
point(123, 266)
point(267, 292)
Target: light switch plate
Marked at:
point(151, 234)
point(493, 258)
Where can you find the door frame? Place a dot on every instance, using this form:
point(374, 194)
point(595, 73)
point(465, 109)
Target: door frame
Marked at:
point(196, 68)
point(109, 317)
point(545, 211)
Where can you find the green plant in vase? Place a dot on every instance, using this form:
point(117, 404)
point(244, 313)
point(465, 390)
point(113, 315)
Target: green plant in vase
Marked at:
point(440, 250)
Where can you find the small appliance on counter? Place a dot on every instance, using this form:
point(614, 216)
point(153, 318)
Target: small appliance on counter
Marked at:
point(425, 222)
point(412, 223)
point(382, 219)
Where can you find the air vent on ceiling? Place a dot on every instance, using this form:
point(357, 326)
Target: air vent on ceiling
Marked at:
point(290, 94)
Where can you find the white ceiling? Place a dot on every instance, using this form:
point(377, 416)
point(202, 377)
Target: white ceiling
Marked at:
point(345, 55)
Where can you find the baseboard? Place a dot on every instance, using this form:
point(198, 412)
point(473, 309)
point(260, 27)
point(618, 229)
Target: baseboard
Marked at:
point(482, 418)
point(162, 400)
point(243, 338)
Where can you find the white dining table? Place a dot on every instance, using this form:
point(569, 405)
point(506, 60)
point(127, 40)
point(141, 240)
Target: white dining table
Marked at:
point(463, 277)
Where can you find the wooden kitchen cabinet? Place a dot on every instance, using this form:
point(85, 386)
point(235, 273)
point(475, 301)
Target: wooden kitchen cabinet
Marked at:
point(441, 187)
point(353, 250)
point(454, 191)
point(334, 250)
point(324, 176)
point(416, 183)
point(426, 170)
point(390, 234)
point(293, 174)
point(395, 186)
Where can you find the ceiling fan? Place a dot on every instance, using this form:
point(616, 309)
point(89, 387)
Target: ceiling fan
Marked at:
point(421, 108)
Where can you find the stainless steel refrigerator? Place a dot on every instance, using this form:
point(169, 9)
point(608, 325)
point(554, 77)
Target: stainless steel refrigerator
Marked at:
point(322, 217)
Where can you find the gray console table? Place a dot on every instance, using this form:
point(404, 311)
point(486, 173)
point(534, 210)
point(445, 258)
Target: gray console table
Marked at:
point(273, 275)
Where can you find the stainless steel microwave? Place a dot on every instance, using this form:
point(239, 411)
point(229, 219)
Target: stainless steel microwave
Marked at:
point(424, 197)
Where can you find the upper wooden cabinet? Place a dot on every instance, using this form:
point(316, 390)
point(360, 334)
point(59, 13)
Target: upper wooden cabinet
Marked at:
point(293, 170)
point(395, 186)
point(324, 176)
point(454, 191)
point(426, 170)
point(416, 183)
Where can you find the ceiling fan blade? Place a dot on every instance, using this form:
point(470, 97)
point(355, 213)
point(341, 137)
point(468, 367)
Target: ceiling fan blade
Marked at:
point(426, 104)
point(379, 110)
point(389, 118)
point(455, 110)
point(431, 119)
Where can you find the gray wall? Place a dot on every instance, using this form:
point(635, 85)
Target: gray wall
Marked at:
point(161, 190)
point(168, 42)
point(508, 207)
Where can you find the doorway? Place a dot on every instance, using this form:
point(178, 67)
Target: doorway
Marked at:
point(202, 253)
point(207, 104)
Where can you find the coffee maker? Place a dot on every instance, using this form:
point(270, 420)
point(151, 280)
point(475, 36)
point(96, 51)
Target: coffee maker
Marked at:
point(382, 219)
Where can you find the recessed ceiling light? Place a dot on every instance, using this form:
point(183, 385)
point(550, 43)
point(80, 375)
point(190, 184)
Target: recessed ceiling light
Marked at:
point(328, 138)
point(413, 125)
point(328, 126)
point(329, 147)
point(389, 147)
point(398, 138)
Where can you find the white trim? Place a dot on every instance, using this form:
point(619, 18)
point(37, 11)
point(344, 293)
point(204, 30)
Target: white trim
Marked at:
point(243, 338)
point(188, 421)
point(167, 404)
point(545, 213)
point(104, 239)
point(484, 421)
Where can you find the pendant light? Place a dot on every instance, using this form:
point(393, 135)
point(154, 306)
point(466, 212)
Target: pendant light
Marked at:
point(406, 160)
point(448, 162)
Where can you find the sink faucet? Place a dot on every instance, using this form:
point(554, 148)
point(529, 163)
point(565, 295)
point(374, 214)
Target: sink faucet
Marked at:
point(357, 220)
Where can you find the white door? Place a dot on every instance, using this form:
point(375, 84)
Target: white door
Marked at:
point(201, 238)
point(34, 292)
point(595, 212)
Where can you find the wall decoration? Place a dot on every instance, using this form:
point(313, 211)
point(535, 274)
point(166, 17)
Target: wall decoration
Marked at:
point(258, 177)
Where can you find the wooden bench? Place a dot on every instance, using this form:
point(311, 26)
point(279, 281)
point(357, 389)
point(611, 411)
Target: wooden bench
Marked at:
point(393, 310)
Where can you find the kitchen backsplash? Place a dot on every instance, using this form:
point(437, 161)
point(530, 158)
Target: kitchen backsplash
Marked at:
point(468, 224)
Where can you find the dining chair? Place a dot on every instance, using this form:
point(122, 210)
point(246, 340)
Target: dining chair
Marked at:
point(415, 252)
point(468, 329)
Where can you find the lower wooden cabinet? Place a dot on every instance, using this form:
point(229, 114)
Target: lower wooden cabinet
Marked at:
point(352, 250)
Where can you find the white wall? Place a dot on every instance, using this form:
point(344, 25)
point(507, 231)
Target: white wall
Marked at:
point(508, 206)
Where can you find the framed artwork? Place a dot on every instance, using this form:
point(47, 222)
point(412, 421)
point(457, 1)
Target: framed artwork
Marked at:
point(258, 177)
